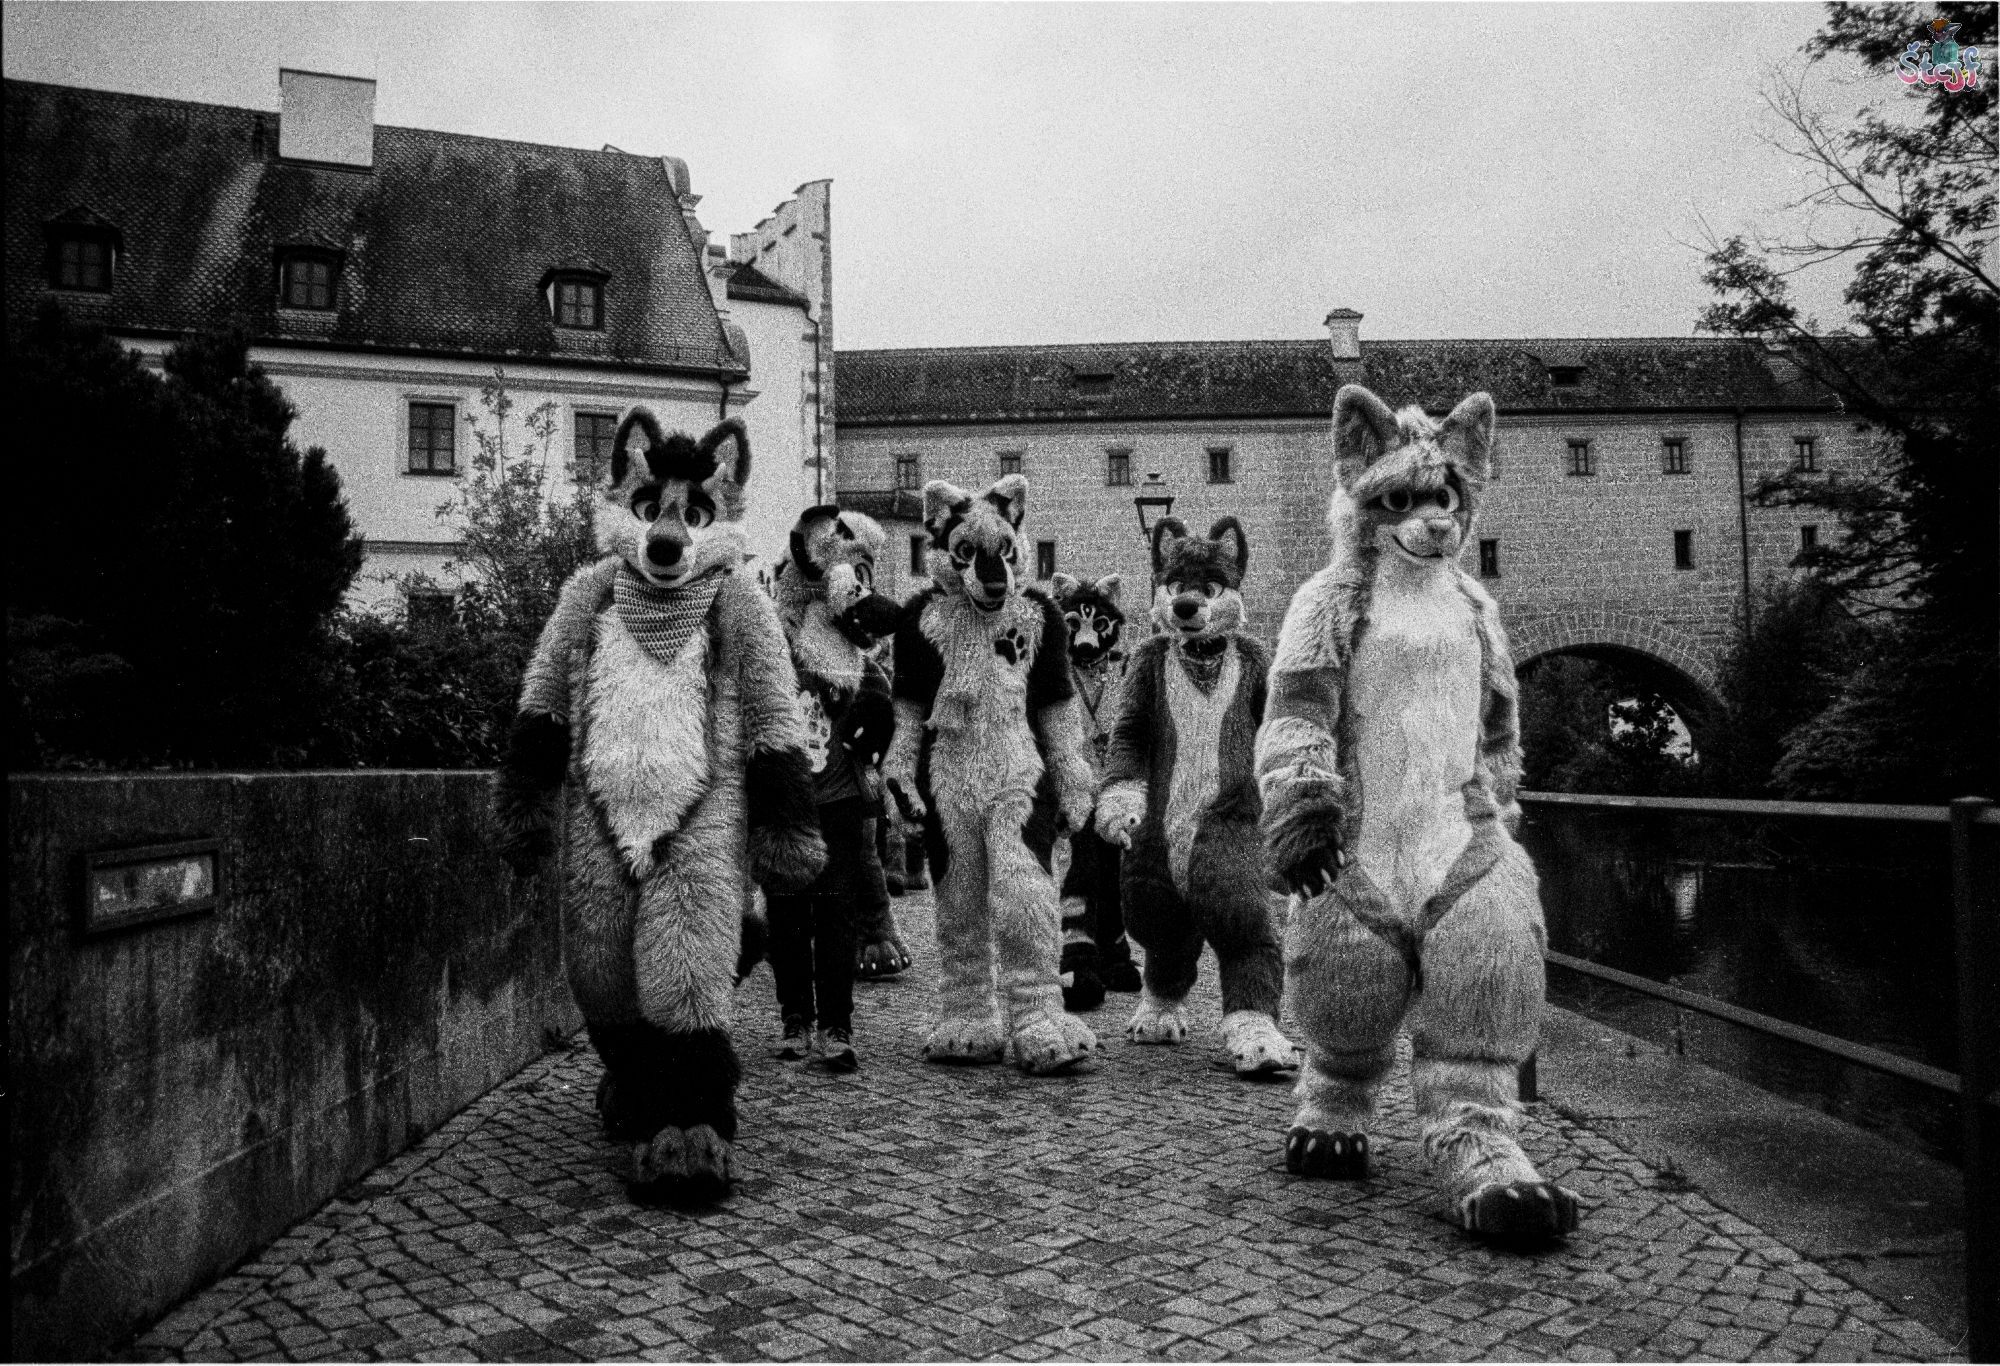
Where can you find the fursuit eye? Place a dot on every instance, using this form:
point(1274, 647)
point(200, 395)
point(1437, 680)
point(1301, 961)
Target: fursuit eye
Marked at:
point(961, 555)
point(1211, 590)
point(646, 506)
point(1103, 625)
point(1447, 498)
point(697, 516)
point(1012, 554)
point(1395, 500)
point(1073, 619)
point(864, 576)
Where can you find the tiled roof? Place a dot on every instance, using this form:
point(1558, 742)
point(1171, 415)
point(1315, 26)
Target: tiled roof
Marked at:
point(1299, 378)
point(445, 242)
point(752, 285)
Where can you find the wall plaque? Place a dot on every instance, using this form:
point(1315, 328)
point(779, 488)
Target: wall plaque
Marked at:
point(126, 887)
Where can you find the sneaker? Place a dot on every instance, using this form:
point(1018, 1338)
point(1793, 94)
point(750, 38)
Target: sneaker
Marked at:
point(833, 1049)
point(797, 1042)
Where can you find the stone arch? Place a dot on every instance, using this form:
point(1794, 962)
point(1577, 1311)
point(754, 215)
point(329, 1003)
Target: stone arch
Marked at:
point(1675, 664)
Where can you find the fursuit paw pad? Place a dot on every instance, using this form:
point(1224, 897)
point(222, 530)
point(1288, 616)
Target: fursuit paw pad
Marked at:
point(1256, 1048)
point(971, 1040)
point(1011, 645)
point(881, 958)
point(1518, 1212)
point(1158, 1022)
point(682, 1167)
point(1049, 1043)
point(1328, 1156)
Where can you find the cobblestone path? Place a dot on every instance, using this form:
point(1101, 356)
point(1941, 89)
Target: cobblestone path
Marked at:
point(1139, 1210)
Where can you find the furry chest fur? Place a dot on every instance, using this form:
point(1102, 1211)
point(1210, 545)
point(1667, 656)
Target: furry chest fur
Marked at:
point(645, 752)
point(1197, 721)
point(983, 745)
point(1414, 723)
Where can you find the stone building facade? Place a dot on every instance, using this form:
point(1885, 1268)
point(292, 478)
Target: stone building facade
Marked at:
point(1619, 521)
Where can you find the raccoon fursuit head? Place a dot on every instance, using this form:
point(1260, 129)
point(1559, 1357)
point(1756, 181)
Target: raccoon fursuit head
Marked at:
point(833, 617)
point(1388, 765)
point(990, 751)
point(1180, 798)
point(1096, 956)
point(659, 729)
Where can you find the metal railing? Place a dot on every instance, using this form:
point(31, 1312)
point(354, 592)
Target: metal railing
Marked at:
point(1976, 1085)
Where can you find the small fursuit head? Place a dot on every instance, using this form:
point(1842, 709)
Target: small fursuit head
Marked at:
point(1409, 486)
point(673, 509)
point(832, 561)
point(975, 542)
point(1198, 582)
point(1090, 610)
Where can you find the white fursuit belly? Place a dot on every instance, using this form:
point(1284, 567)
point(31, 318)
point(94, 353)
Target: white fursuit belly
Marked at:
point(1415, 690)
point(645, 753)
point(1197, 718)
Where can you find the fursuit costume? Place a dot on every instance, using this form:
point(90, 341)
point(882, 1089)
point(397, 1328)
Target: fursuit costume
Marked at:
point(1180, 796)
point(659, 729)
point(831, 615)
point(1096, 956)
point(989, 750)
point(1389, 762)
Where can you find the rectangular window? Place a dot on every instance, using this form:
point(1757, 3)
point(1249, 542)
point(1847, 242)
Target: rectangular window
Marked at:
point(1489, 559)
point(433, 434)
point(1808, 537)
point(83, 263)
point(1579, 458)
point(430, 607)
point(1805, 458)
point(909, 474)
point(919, 548)
point(1218, 465)
point(1117, 468)
point(579, 303)
point(1010, 463)
point(308, 282)
point(1683, 550)
point(1045, 559)
point(1674, 456)
point(592, 452)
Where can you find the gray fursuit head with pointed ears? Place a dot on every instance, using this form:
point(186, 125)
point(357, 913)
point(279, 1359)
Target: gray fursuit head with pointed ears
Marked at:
point(659, 729)
point(1180, 797)
point(1388, 763)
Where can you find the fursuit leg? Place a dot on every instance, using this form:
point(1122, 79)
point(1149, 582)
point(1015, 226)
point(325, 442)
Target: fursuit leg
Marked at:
point(968, 1027)
point(1239, 927)
point(1477, 1020)
point(1082, 984)
point(1164, 926)
point(1349, 989)
point(1028, 940)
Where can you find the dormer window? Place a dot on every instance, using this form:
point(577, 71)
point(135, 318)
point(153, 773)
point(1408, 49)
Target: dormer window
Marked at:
point(306, 279)
point(1093, 383)
point(82, 252)
point(1565, 376)
point(575, 293)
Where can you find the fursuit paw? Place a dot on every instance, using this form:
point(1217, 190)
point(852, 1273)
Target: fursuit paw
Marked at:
point(682, 1167)
point(1517, 1212)
point(878, 958)
point(1120, 809)
point(1157, 1021)
point(1256, 1048)
point(1120, 973)
point(525, 851)
point(1082, 987)
point(1301, 825)
point(969, 1039)
point(1328, 1156)
point(786, 858)
point(1049, 1043)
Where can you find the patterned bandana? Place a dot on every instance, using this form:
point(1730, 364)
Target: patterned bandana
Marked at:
point(663, 620)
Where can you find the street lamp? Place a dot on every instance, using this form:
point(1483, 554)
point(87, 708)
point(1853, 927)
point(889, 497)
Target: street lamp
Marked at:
point(1152, 496)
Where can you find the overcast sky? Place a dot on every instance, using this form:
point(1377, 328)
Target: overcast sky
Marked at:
point(1063, 173)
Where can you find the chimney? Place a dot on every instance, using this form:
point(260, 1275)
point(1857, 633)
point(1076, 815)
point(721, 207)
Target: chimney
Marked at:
point(1343, 327)
point(720, 268)
point(329, 120)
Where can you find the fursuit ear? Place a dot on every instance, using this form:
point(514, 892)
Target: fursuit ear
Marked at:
point(1237, 544)
point(1065, 584)
point(859, 526)
point(1364, 430)
point(728, 445)
point(637, 434)
point(802, 530)
point(1010, 495)
point(1467, 435)
point(1107, 587)
point(944, 504)
point(1164, 530)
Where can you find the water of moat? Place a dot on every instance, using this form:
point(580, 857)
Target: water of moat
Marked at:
point(1842, 926)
